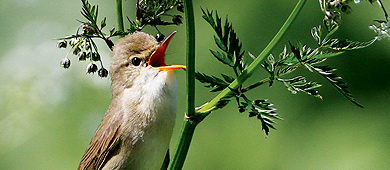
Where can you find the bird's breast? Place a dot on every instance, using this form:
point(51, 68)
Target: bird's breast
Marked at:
point(150, 106)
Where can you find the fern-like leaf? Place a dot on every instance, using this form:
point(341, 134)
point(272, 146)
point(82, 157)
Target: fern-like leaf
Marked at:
point(215, 83)
point(262, 110)
point(328, 73)
point(300, 84)
point(339, 45)
point(227, 41)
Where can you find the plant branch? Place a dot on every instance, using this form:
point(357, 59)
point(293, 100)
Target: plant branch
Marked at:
point(252, 67)
point(383, 8)
point(182, 147)
point(261, 82)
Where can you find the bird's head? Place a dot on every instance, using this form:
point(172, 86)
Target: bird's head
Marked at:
point(136, 53)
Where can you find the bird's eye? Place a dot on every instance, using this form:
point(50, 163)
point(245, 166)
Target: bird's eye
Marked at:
point(135, 61)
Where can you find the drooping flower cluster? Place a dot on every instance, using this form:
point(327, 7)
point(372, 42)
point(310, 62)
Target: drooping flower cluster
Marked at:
point(85, 49)
point(383, 30)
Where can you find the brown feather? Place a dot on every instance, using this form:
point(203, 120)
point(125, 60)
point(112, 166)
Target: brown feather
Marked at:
point(104, 139)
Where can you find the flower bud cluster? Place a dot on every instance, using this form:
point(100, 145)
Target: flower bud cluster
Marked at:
point(87, 29)
point(383, 30)
point(333, 10)
point(147, 10)
point(62, 44)
point(340, 6)
point(82, 48)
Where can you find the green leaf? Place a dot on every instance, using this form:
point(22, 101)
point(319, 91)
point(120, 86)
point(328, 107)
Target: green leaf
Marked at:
point(295, 51)
point(103, 23)
point(219, 44)
point(262, 110)
point(222, 58)
point(215, 83)
point(328, 73)
point(227, 78)
point(225, 100)
point(300, 84)
point(316, 33)
point(328, 55)
point(112, 31)
point(95, 13)
point(228, 28)
point(332, 27)
point(336, 44)
point(69, 37)
point(92, 11)
point(226, 40)
point(269, 64)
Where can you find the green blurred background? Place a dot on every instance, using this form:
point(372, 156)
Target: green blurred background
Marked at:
point(48, 114)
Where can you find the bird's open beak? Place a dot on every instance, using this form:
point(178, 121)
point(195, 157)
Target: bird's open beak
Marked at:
point(157, 58)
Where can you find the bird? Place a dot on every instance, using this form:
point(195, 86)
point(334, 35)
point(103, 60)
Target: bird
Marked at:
point(136, 129)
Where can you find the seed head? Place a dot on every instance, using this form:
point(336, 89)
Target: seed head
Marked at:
point(62, 44)
point(65, 63)
point(91, 68)
point(87, 29)
point(103, 72)
point(160, 37)
point(82, 56)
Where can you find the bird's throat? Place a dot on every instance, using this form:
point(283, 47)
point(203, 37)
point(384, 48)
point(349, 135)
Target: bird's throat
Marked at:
point(150, 108)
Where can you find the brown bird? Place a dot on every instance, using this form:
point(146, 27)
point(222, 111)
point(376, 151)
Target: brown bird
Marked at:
point(137, 127)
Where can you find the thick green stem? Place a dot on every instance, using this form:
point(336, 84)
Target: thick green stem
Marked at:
point(119, 16)
point(252, 67)
point(182, 147)
point(188, 126)
point(190, 56)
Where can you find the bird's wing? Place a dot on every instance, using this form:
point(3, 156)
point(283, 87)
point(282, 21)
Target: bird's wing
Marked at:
point(102, 143)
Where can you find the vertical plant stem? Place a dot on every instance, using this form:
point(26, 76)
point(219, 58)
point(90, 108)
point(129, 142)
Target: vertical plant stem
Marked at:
point(188, 126)
point(190, 57)
point(182, 147)
point(119, 16)
point(165, 164)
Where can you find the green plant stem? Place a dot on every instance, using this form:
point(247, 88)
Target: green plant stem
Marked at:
point(119, 16)
point(261, 82)
point(165, 164)
point(188, 126)
point(190, 56)
point(383, 8)
point(182, 147)
point(252, 67)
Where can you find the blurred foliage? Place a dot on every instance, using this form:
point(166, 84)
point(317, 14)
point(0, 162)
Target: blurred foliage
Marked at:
point(38, 129)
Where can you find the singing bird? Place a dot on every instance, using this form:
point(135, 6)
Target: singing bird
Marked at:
point(137, 127)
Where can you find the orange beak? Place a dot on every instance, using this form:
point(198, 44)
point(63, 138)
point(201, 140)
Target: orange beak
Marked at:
point(157, 58)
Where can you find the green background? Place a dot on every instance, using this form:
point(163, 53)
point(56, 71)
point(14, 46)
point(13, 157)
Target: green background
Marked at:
point(48, 114)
